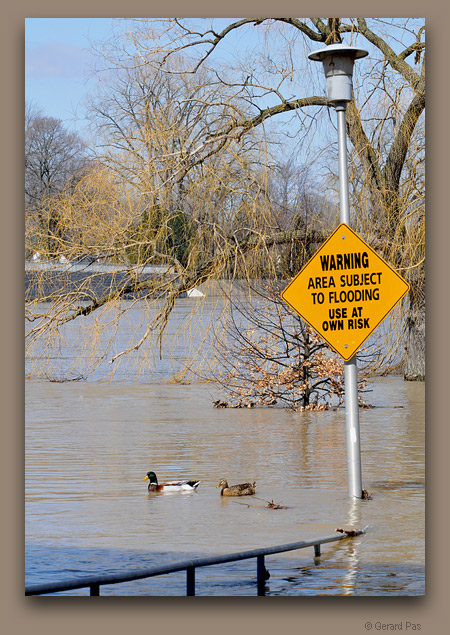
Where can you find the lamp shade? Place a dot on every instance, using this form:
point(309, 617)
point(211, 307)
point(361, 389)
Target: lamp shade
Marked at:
point(338, 60)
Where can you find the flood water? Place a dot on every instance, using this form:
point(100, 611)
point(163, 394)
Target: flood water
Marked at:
point(90, 443)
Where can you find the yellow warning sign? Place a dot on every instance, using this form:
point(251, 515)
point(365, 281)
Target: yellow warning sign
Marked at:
point(345, 291)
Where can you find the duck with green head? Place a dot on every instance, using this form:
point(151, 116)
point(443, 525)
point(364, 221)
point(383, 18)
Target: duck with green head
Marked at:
point(169, 486)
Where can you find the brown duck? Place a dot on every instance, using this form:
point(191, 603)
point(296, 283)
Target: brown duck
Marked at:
point(242, 489)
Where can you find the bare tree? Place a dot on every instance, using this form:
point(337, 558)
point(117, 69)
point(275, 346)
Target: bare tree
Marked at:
point(53, 155)
point(270, 357)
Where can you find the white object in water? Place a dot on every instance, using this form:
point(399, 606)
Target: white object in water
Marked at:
point(195, 293)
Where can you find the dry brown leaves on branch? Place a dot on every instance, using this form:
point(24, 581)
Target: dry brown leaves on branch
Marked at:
point(277, 360)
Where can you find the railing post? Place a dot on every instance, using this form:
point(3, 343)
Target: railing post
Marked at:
point(317, 550)
point(190, 581)
point(95, 589)
point(261, 575)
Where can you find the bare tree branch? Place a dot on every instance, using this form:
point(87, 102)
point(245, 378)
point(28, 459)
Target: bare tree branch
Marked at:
point(396, 61)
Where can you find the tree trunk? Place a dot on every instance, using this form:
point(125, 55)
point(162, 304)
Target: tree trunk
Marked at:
point(415, 344)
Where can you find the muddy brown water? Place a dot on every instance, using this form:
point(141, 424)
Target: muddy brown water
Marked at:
point(89, 445)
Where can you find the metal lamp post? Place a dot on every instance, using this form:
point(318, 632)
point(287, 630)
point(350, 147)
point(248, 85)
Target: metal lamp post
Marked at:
point(338, 60)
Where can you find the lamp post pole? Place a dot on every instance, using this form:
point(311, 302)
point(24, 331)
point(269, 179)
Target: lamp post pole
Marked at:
point(338, 62)
point(354, 475)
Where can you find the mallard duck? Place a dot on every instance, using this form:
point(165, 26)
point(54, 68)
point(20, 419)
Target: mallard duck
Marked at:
point(170, 486)
point(242, 489)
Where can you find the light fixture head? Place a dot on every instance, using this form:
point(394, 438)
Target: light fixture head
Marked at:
point(338, 60)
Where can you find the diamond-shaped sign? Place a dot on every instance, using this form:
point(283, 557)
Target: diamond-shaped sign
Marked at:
point(345, 291)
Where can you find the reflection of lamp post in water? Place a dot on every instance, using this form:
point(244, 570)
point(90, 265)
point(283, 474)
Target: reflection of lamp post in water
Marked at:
point(338, 61)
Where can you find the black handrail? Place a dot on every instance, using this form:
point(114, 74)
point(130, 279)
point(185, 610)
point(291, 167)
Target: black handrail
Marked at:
point(94, 582)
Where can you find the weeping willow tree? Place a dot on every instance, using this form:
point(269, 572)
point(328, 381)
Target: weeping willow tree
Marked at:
point(187, 141)
point(137, 227)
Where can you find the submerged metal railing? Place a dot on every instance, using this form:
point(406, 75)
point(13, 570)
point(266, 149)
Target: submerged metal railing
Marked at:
point(95, 582)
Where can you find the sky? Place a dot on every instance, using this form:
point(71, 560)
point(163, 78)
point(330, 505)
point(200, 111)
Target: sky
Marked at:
point(59, 59)
point(58, 64)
